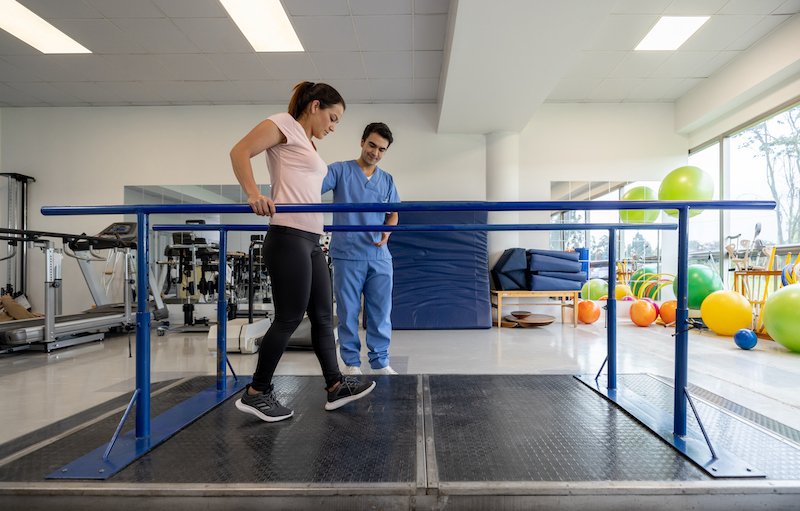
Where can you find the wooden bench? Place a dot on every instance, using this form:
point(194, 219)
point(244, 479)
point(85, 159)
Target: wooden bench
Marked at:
point(567, 300)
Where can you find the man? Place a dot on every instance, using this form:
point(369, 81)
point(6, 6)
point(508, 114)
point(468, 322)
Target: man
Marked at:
point(362, 263)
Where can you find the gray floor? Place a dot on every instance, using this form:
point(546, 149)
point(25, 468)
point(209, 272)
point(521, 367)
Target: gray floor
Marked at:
point(40, 389)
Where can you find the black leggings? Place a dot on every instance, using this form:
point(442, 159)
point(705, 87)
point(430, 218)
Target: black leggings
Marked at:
point(301, 282)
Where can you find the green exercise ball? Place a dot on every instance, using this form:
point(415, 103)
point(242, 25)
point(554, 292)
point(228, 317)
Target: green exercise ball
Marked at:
point(702, 282)
point(686, 183)
point(594, 289)
point(639, 216)
point(781, 316)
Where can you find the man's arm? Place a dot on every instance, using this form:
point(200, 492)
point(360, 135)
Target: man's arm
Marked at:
point(329, 183)
point(391, 219)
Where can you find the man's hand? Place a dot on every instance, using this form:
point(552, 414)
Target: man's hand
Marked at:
point(384, 239)
point(261, 205)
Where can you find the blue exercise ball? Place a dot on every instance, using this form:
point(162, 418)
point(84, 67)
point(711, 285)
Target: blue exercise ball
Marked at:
point(745, 339)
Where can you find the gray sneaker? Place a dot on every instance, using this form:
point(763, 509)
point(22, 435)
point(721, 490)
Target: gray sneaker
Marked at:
point(350, 389)
point(265, 406)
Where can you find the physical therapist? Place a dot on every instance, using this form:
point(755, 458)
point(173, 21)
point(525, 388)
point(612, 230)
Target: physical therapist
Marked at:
point(362, 263)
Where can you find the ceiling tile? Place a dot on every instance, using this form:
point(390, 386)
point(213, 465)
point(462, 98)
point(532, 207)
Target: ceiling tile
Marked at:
point(614, 89)
point(694, 7)
point(639, 64)
point(622, 32)
point(388, 64)
point(431, 6)
point(214, 35)
point(750, 6)
point(100, 36)
point(655, 89)
point(90, 68)
point(333, 65)
point(63, 9)
point(684, 64)
point(353, 91)
point(316, 7)
point(192, 8)
point(720, 32)
point(126, 8)
point(788, 7)
point(17, 94)
point(136, 92)
point(326, 33)
point(46, 67)
point(573, 89)
point(276, 92)
point(596, 64)
point(293, 67)
point(240, 66)
point(184, 66)
point(369, 7)
point(143, 67)
point(426, 89)
point(757, 32)
point(430, 31)
point(383, 33)
point(720, 60)
point(46, 92)
point(156, 35)
point(16, 73)
point(640, 6)
point(428, 64)
point(392, 90)
point(90, 92)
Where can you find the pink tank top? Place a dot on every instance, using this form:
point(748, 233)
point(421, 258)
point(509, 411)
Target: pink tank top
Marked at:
point(296, 172)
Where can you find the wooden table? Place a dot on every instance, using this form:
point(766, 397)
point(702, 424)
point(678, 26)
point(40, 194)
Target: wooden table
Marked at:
point(567, 300)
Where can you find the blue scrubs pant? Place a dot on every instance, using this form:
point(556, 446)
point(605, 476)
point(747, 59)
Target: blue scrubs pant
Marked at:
point(373, 280)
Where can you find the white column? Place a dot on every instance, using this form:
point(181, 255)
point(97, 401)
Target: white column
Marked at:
point(502, 184)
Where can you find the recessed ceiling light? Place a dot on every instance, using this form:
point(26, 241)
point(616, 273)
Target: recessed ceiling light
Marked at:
point(264, 23)
point(671, 32)
point(19, 21)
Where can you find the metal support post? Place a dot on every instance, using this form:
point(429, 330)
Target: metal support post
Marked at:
point(611, 311)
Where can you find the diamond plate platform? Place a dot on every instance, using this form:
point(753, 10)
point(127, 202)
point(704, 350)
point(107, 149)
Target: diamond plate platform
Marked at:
point(418, 442)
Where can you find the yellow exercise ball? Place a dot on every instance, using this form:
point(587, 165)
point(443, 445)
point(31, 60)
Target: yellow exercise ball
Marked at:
point(725, 312)
point(622, 290)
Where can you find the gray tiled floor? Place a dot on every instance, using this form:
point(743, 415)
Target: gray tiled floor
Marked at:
point(38, 389)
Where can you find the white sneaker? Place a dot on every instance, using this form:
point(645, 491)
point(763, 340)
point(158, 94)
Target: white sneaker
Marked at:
point(351, 370)
point(384, 370)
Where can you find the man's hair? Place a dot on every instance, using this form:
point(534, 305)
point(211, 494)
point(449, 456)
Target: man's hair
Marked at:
point(379, 128)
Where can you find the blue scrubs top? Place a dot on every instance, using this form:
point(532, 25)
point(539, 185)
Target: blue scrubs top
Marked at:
point(350, 185)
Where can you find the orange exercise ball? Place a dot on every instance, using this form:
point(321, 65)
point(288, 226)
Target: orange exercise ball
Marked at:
point(643, 313)
point(668, 311)
point(588, 312)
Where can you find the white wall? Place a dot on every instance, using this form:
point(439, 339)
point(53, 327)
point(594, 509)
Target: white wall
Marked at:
point(85, 156)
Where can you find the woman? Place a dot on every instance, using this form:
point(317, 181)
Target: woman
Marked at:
point(292, 252)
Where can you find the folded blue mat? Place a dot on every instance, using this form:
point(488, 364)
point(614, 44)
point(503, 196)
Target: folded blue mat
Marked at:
point(539, 283)
point(571, 256)
point(548, 263)
point(579, 276)
point(505, 282)
point(511, 259)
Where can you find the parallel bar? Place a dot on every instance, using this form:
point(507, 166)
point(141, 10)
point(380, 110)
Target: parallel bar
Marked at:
point(611, 310)
point(142, 327)
point(427, 227)
point(222, 310)
point(406, 206)
point(682, 326)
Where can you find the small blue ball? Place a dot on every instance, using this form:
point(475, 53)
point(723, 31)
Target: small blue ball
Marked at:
point(745, 339)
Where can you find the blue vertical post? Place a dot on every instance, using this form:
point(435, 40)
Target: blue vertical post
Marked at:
point(682, 325)
point(142, 326)
point(611, 310)
point(222, 310)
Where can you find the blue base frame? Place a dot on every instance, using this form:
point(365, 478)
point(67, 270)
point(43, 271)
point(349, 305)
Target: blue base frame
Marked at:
point(129, 448)
point(692, 445)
